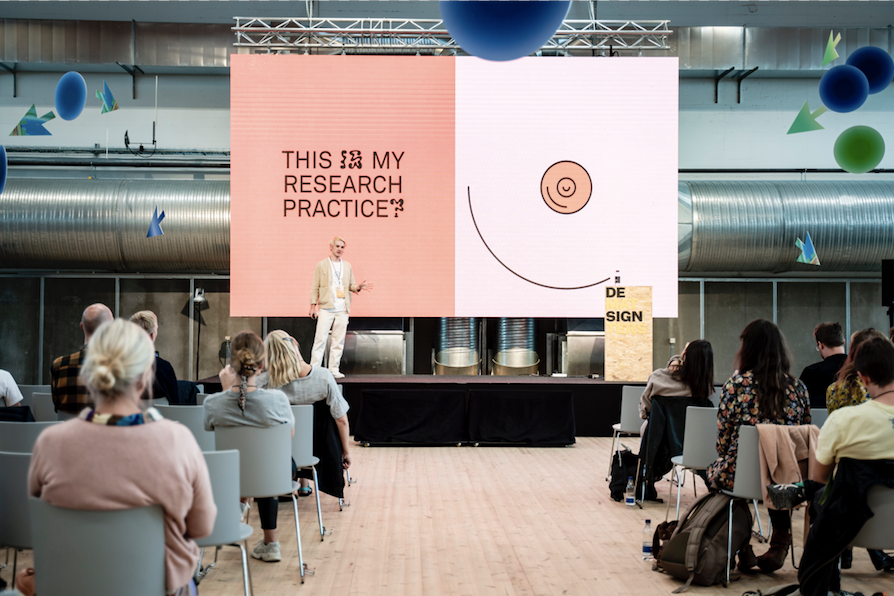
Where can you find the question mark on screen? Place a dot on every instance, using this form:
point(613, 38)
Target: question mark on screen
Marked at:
point(398, 205)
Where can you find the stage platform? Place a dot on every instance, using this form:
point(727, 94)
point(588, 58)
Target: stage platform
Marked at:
point(436, 410)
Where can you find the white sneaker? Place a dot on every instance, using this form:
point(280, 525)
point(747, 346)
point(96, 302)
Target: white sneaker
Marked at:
point(267, 552)
point(243, 511)
point(337, 374)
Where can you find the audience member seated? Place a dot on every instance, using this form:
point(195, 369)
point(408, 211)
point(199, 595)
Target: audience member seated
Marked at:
point(244, 403)
point(9, 391)
point(761, 391)
point(848, 389)
point(859, 440)
point(306, 384)
point(70, 394)
point(817, 377)
point(691, 381)
point(165, 385)
point(115, 457)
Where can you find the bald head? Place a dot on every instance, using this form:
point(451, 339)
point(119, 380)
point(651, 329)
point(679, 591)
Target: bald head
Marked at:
point(94, 316)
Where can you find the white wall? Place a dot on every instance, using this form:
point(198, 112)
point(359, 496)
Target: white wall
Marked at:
point(193, 113)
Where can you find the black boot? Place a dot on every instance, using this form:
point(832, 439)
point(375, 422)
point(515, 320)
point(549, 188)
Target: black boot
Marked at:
point(881, 560)
point(847, 558)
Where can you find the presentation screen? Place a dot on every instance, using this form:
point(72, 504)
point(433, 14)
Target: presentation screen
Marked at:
point(461, 187)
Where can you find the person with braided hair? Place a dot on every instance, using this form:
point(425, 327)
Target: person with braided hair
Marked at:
point(245, 403)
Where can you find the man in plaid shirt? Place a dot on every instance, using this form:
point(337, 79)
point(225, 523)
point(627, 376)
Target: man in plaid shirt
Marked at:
point(69, 393)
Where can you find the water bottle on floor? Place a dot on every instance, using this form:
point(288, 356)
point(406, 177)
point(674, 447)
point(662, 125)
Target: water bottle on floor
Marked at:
point(648, 533)
point(630, 492)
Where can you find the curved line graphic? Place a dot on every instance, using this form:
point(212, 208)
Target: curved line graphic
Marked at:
point(551, 199)
point(469, 193)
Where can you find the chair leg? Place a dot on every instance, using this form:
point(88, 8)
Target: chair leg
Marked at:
point(678, 498)
point(760, 526)
point(15, 560)
point(298, 536)
point(319, 511)
point(729, 541)
point(245, 573)
point(668, 508)
point(7, 559)
point(614, 452)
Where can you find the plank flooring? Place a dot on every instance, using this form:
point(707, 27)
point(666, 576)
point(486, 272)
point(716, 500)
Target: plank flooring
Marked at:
point(496, 521)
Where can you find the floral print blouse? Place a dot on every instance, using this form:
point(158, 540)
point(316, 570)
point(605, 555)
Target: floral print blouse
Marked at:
point(738, 406)
point(846, 393)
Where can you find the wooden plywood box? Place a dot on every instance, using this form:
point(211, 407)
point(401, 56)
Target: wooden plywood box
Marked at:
point(628, 333)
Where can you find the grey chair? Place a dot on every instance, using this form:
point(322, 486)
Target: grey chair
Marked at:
point(818, 416)
point(265, 465)
point(223, 467)
point(303, 451)
point(699, 446)
point(200, 398)
point(876, 533)
point(19, 437)
point(28, 390)
point(747, 481)
point(15, 525)
point(630, 423)
point(193, 418)
point(101, 553)
point(43, 408)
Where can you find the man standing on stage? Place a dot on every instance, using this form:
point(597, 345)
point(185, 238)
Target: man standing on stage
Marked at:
point(331, 292)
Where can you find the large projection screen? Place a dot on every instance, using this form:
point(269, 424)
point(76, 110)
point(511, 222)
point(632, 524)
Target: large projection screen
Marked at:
point(462, 187)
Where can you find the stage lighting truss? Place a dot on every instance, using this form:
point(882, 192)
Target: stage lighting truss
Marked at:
point(387, 36)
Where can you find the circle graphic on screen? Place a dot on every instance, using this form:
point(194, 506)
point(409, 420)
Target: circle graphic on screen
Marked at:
point(566, 187)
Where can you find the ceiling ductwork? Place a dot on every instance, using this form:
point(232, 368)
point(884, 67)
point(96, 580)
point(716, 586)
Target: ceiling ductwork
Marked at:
point(724, 227)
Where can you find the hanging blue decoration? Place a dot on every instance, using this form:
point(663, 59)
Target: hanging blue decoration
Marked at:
point(71, 95)
point(498, 30)
point(876, 64)
point(844, 88)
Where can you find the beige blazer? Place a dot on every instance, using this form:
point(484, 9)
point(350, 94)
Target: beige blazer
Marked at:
point(321, 291)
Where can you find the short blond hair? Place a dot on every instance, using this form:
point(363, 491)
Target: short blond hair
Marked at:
point(336, 239)
point(145, 319)
point(283, 361)
point(119, 355)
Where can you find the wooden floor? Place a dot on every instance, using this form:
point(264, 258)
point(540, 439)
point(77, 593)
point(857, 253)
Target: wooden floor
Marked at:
point(489, 521)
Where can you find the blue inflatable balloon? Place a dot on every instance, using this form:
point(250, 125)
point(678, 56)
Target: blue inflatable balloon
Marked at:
point(3, 168)
point(876, 64)
point(844, 88)
point(71, 95)
point(503, 30)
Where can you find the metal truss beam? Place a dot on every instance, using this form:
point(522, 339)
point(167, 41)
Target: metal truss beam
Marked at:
point(322, 35)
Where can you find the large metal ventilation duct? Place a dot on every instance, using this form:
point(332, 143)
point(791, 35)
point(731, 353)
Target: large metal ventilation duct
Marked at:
point(752, 226)
point(515, 347)
point(723, 226)
point(102, 224)
point(457, 352)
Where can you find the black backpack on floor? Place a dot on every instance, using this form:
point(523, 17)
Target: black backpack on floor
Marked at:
point(623, 467)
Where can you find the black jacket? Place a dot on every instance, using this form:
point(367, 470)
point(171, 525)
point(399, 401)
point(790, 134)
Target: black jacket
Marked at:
point(817, 378)
point(842, 513)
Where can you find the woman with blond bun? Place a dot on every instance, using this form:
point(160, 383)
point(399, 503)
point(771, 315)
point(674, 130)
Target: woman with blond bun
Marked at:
point(245, 403)
point(305, 384)
point(115, 456)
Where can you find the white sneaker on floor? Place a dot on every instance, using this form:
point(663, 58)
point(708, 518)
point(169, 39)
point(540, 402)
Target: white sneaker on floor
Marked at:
point(243, 511)
point(267, 552)
point(337, 374)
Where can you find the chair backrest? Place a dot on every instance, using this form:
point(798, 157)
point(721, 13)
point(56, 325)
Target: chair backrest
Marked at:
point(223, 467)
point(28, 390)
point(15, 525)
point(714, 398)
point(43, 408)
point(19, 437)
point(303, 441)
point(818, 416)
point(876, 532)
point(265, 458)
point(630, 398)
point(200, 398)
point(101, 553)
point(700, 437)
point(193, 418)
point(747, 481)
